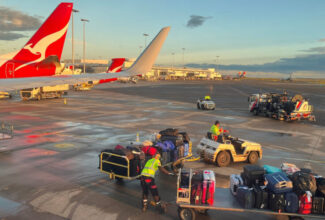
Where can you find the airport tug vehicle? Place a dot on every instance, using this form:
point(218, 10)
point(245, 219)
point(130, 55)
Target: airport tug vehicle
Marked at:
point(227, 149)
point(205, 104)
point(281, 106)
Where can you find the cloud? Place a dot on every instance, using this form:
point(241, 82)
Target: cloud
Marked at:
point(9, 36)
point(315, 50)
point(196, 21)
point(12, 21)
point(313, 62)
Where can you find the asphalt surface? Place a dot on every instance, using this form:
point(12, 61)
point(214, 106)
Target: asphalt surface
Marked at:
point(49, 169)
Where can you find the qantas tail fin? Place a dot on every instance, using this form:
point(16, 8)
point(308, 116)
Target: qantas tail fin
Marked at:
point(147, 58)
point(42, 53)
point(116, 65)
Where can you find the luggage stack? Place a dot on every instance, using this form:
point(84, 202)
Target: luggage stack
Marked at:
point(172, 145)
point(286, 189)
point(203, 187)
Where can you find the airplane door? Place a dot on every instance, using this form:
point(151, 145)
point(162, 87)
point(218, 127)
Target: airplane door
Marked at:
point(10, 70)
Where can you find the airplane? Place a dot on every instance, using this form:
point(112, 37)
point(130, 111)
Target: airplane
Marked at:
point(37, 62)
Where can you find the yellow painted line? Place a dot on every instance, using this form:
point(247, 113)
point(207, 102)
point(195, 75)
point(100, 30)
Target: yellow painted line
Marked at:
point(64, 145)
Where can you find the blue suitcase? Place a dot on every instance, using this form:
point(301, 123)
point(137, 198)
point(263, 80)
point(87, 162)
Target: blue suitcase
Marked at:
point(245, 197)
point(292, 202)
point(278, 182)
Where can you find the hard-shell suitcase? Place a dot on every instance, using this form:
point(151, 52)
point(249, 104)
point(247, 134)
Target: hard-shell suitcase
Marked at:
point(271, 169)
point(261, 197)
point(277, 202)
point(208, 187)
point(305, 203)
point(235, 182)
point(253, 175)
point(278, 182)
point(245, 197)
point(318, 205)
point(196, 193)
point(292, 202)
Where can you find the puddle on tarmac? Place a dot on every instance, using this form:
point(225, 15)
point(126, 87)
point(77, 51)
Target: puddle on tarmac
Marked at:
point(8, 207)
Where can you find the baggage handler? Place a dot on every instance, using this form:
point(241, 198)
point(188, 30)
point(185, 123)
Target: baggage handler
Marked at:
point(148, 181)
point(217, 132)
point(207, 98)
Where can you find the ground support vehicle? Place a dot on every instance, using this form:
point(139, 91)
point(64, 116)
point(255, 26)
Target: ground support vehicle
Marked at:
point(44, 92)
point(109, 163)
point(205, 104)
point(83, 86)
point(230, 149)
point(223, 201)
point(281, 106)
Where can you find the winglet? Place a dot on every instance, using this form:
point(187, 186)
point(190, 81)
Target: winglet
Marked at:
point(147, 58)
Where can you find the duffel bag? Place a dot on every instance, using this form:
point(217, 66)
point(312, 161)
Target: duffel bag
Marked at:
point(278, 182)
point(289, 168)
point(271, 169)
point(303, 182)
point(235, 182)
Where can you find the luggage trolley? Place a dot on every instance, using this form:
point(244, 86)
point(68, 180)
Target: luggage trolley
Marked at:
point(223, 201)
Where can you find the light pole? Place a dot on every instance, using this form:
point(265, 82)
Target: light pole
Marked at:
point(183, 57)
point(84, 43)
point(217, 63)
point(145, 40)
point(72, 38)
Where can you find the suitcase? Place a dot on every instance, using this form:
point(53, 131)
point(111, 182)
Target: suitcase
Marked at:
point(261, 197)
point(169, 145)
point(320, 182)
point(235, 182)
point(253, 174)
point(305, 203)
point(177, 140)
point(318, 205)
point(196, 193)
point(303, 182)
point(245, 197)
point(278, 182)
point(291, 202)
point(169, 132)
point(186, 149)
point(277, 202)
point(208, 187)
point(271, 169)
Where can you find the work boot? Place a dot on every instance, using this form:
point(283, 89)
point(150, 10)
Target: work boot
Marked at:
point(144, 205)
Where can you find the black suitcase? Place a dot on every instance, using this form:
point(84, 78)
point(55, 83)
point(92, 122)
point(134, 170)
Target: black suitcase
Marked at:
point(318, 205)
point(277, 202)
point(261, 197)
point(245, 197)
point(253, 175)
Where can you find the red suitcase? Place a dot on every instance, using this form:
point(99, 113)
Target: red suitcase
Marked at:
point(305, 203)
point(208, 187)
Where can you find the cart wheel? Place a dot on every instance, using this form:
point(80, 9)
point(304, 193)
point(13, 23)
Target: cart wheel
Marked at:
point(186, 214)
point(253, 157)
point(198, 106)
point(223, 159)
point(203, 211)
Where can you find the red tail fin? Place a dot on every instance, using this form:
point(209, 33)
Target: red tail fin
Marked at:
point(42, 53)
point(116, 66)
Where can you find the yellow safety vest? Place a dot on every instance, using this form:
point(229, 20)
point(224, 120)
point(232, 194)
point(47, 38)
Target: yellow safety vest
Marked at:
point(207, 97)
point(151, 167)
point(215, 130)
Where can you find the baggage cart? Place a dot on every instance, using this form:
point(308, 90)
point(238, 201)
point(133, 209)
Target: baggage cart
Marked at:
point(223, 201)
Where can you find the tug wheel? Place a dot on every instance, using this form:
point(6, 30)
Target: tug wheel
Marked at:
point(223, 159)
point(253, 157)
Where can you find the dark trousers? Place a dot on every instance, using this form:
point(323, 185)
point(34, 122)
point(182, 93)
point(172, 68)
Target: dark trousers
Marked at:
point(148, 183)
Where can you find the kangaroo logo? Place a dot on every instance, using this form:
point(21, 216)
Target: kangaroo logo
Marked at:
point(41, 46)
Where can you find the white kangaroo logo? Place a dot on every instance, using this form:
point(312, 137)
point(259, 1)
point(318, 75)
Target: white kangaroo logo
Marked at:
point(41, 46)
point(116, 69)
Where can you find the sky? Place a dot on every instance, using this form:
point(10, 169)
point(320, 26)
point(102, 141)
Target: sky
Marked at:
point(238, 32)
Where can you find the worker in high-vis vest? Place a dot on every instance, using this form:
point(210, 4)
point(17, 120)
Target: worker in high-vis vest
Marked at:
point(207, 98)
point(148, 181)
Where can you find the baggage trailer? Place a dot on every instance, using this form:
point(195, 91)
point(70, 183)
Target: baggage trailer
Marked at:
point(44, 92)
point(223, 201)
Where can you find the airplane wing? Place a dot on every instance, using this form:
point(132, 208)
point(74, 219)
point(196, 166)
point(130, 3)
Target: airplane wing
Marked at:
point(142, 65)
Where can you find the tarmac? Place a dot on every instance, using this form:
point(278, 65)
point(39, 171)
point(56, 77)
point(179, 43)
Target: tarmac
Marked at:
point(49, 170)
